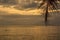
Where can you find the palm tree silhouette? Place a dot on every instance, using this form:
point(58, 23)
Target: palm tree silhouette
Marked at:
point(49, 4)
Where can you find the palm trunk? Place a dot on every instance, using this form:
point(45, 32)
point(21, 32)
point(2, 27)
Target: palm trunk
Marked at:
point(46, 14)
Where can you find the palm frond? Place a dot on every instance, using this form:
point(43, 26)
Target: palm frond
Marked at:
point(52, 3)
point(41, 5)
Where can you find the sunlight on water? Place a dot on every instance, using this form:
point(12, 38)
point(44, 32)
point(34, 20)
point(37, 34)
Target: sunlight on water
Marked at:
point(29, 33)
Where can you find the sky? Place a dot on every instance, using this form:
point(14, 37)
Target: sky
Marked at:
point(21, 3)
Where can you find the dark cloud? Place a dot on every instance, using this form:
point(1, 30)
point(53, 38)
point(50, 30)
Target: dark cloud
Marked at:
point(8, 2)
point(22, 5)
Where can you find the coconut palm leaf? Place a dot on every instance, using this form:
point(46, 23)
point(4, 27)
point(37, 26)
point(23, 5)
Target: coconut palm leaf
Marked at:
point(41, 5)
point(43, 2)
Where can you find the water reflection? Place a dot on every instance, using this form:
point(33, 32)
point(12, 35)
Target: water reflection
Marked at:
point(29, 33)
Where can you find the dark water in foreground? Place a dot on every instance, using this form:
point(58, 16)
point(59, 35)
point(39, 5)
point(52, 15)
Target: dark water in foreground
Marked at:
point(33, 20)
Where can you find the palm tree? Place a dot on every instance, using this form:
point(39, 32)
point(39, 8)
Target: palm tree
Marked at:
point(49, 4)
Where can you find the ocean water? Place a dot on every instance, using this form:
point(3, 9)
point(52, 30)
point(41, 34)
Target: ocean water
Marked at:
point(23, 27)
point(29, 33)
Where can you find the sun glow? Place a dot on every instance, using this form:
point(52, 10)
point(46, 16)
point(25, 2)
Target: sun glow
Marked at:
point(10, 11)
point(21, 12)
